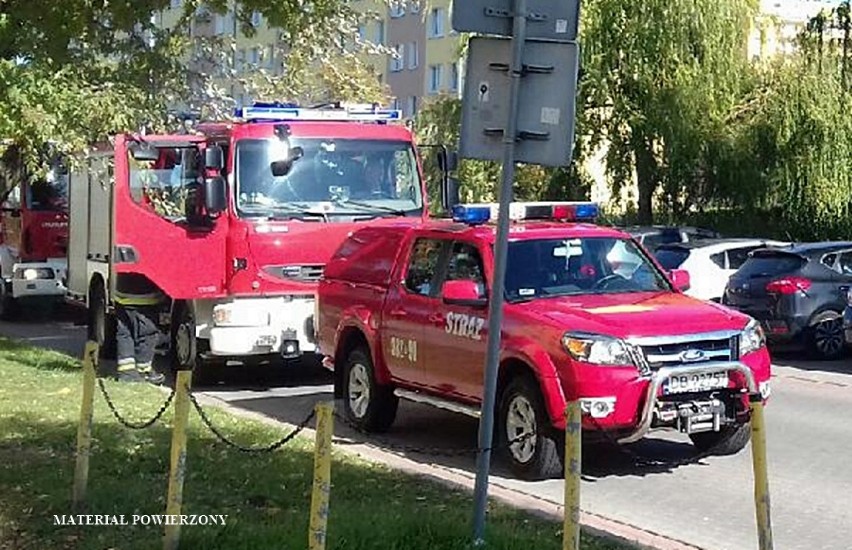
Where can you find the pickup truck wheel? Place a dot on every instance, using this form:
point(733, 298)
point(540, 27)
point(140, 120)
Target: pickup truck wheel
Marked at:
point(728, 441)
point(369, 406)
point(521, 412)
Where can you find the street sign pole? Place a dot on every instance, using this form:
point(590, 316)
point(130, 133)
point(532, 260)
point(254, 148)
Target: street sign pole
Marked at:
point(495, 312)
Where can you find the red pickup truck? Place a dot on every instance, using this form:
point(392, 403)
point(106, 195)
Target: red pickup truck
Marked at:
point(589, 315)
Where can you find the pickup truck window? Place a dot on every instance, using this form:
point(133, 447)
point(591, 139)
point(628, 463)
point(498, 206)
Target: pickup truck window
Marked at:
point(422, 266)
point(466, 264)
point(539, 268)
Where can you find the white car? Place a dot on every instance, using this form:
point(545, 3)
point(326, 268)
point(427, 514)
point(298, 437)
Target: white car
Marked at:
point(710, 262)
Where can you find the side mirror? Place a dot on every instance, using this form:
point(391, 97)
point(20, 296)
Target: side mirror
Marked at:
point(680, 279)
point(283, 167)
point(144, 151)
point(462, 293)
point(215, 195)
point(214, 158)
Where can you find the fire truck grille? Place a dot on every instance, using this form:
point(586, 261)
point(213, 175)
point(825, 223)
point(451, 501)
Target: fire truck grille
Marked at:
point(302, 273)
point(692, 349)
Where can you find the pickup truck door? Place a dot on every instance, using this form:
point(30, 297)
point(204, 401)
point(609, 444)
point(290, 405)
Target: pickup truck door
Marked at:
point(407, 309)
point(455, 336)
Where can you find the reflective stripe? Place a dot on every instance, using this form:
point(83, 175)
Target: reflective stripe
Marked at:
point(138, 299)
point(126, 366)
point(144, 367)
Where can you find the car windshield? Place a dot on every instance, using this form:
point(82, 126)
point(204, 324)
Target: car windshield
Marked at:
point(568, 267)
point(332, 176)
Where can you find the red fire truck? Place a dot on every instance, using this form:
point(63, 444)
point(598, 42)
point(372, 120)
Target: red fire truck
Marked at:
point(236, 222)
point(33, 231)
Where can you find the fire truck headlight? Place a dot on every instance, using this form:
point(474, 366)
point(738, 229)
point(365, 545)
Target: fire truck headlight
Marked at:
point(597, 349)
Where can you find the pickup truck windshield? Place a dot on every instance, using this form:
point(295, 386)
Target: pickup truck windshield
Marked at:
point(333, 176)
point(540, 268)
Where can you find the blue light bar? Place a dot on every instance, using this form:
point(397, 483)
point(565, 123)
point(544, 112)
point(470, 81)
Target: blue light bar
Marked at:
point(471, 214)
point(290, 111)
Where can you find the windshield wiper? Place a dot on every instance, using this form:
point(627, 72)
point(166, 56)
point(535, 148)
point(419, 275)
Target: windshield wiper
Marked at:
point(373, 207)
point(287, 211)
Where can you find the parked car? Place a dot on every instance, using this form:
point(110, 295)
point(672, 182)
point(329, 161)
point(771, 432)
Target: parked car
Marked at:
point(798, 293)
point(652, 236)
point(847, 318)
point(710, 262)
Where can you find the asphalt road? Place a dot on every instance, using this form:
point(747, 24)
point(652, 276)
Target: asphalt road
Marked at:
point(707, 504)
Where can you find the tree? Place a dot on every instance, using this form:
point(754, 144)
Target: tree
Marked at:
point(659, 78)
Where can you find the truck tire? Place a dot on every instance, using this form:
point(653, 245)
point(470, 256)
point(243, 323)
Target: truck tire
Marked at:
point(369, 406)
point(184, 345)
point(522, 411)
point(9, 309)
point(102, 325)
point(825, 338)
point(729, 440)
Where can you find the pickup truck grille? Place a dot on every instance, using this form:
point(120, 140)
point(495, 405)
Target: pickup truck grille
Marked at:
point(671, 351)
point(304, 273)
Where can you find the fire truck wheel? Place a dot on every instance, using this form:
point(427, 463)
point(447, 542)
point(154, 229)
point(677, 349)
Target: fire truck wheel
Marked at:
point(369, 406)
point(728, 441)
point(102, 325)
point(522, 411)
point(184, 344)
point(8, 306)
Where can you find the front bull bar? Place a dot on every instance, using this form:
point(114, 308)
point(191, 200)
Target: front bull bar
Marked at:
point(663, 374)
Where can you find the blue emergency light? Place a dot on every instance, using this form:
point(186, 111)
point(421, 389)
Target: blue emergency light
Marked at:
point(290, 111)
point(477, 214)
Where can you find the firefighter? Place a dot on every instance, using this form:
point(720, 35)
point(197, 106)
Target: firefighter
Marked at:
point(137, 308)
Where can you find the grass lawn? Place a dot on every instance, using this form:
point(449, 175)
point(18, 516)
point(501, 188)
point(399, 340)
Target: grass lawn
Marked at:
point(266, 498)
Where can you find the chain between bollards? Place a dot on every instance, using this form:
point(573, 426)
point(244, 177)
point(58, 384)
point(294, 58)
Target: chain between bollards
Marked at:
point(178, 458)
point(84, 429)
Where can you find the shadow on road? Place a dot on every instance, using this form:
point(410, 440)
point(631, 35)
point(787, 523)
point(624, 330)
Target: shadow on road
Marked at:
point(803, 361)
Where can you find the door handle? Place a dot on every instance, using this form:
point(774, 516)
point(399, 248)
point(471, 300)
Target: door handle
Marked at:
point(436, 318)
point(398, 313)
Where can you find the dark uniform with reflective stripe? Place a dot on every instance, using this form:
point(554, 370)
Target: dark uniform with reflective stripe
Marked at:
point(137, 302)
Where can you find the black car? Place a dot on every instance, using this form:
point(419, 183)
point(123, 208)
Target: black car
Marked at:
point(652, 236)
point(798, 293)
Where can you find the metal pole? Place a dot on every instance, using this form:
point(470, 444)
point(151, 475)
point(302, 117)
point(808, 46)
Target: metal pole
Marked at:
point(761, 476)
point(495, 311)
point(573, 468)
point(322, 477)
point(84, 429)
point(178, 460)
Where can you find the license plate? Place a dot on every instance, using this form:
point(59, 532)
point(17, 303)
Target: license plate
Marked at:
point(687, 383)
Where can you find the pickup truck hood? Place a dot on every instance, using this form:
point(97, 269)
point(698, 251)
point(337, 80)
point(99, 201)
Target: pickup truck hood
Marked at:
point(639, 314)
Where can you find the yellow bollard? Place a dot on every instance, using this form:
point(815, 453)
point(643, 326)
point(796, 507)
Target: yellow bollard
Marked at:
point(573, 467)
point(322, 477)
point(84, 429)
point(761, 475)
point(178, 459)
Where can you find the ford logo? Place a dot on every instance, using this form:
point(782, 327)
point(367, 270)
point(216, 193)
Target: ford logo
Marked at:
point(692, 355)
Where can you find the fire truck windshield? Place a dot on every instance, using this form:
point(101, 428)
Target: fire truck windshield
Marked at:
point(541, 268)
point(337, 177)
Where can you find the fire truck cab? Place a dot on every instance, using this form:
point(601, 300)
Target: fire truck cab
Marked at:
point(236, 222)
point(33, 232)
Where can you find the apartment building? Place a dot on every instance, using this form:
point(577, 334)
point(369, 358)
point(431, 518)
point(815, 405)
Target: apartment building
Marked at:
point(779, 23)
point(424, 62)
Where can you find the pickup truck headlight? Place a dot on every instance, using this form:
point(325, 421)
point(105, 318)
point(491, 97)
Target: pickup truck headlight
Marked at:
point(597, 349)
point(752, 338)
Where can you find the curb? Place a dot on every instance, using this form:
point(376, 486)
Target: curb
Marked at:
point(596, 525)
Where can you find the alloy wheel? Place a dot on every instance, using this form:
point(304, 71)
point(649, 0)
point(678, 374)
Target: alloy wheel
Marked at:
point(359, 390)
point(520, 421)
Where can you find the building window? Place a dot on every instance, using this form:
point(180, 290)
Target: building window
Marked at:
point(256, 19)
point(434, 79)
point(454, 76)
point(224, 24)
point(254, 56)
point(411, 107)
point(398, 58)
point(269, 57)
point(415, 5)
point(175, 4)
point(413, 55)
point(436, 23)
point(380, 33)
point(362, 32)
point(397, 8)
